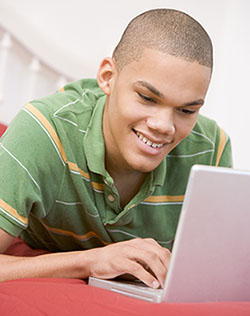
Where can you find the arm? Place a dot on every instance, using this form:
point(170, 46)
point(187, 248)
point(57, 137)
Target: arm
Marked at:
point(51, 265)
point(136, 257)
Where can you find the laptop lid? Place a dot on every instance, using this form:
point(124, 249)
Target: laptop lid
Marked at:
point(211, 254)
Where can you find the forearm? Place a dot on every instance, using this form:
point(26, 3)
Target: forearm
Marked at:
point(144, 259)
point(73, 264)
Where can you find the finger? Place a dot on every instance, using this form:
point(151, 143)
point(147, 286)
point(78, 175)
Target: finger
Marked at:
point(137, 270)
point(155, 267)
point(163, 253)
point(151, 254)
point(134, 262)
point(150, 262)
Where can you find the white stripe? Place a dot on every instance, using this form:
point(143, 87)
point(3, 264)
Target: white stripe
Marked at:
point(15, 219)
point(65, 105)
point(66, 120)
point(68, 203)
point(82, 131)
point(78, 173)
point(123, 232)
point(165, 242)
point(205, 136)
point(70, 103)
point(45, 130)
point(161, 203)
point(192, 155)
point(76, 203)
point(134, 236)
point(27, 171)
point(98, 191)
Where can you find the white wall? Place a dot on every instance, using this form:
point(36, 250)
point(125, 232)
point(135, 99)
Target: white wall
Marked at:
point(71, 37)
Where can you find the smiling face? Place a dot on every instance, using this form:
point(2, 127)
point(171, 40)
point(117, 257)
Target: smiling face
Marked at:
point(151, 105)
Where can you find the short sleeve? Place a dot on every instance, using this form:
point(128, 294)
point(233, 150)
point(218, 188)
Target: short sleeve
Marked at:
point(226, 157)
point(30, 172)
point(224, 150)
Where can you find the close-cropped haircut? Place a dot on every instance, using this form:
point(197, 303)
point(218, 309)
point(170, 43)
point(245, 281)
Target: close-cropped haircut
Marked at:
point(169, 31)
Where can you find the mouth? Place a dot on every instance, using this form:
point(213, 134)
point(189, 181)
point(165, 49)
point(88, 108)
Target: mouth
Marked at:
point(147, 141)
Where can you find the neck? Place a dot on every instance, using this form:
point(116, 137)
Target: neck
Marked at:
point(127, 182)
point(116, 169)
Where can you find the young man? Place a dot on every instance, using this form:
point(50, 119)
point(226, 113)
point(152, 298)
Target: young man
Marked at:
point(97, 172)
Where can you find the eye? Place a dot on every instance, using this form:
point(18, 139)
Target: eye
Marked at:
point(146, 98)
point(186, 111)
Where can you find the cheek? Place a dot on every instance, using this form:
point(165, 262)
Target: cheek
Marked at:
point(120, 117)
point(127, 112)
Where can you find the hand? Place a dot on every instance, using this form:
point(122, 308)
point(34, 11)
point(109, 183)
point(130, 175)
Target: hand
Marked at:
point(145, 259)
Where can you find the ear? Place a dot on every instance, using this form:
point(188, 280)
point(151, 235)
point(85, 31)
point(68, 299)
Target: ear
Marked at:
point(105, 74)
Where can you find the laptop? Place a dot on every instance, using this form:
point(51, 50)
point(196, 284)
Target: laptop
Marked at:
point(210, 259)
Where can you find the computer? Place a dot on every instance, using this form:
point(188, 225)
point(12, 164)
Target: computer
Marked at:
point(210, 260)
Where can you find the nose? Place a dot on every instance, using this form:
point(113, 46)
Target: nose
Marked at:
point(162, 121)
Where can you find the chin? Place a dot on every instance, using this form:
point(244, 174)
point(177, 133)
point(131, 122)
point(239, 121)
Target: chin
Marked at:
point(144, 167)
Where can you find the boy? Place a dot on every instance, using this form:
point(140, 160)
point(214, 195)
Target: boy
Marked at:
point(97, 172)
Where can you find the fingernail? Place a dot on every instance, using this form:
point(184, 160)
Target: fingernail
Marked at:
point(155, 284)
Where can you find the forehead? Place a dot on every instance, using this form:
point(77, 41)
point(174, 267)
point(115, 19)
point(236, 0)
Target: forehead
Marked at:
point(169, 74)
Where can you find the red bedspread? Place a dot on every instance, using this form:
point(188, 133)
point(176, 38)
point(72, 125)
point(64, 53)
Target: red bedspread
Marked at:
point(2, 128)
point(74, 297)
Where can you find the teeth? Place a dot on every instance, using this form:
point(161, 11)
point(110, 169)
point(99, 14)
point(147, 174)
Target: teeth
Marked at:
point(148, 142)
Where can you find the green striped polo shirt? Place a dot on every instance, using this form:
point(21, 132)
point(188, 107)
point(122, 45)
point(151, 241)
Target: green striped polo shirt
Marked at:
point(56, 193)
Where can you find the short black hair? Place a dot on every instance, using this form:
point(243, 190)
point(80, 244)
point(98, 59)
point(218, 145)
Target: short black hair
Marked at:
point(170, 31)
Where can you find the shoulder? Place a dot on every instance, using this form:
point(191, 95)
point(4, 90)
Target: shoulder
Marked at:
point(207, 132)
point(68, 110)
point(207, 127)
point(204, 145)
point(49, 124)
point(76, 97)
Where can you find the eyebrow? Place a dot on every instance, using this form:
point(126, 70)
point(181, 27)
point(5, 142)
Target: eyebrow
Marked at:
point(151, 88)
point(160, 95)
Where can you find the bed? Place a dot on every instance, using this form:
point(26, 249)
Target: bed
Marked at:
point(2, 128)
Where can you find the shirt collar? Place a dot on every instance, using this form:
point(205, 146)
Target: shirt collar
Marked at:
point(94, 142)
point(159, 173)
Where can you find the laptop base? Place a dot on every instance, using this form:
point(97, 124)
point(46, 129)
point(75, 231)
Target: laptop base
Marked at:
point(128, 288)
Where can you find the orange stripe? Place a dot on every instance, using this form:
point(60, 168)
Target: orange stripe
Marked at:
point(55, 138)
point(49, 128)
point(133, 205)
point(61, 89)
point(95, 185)
point(74, 167)
point(165, 198)
point(80, 237)
point(98, 186)
point(222, 143)
point(13, 212)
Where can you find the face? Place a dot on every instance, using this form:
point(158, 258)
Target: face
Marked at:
point(151, 105)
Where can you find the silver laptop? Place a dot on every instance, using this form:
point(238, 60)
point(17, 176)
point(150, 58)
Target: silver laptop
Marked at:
point(210, 260)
